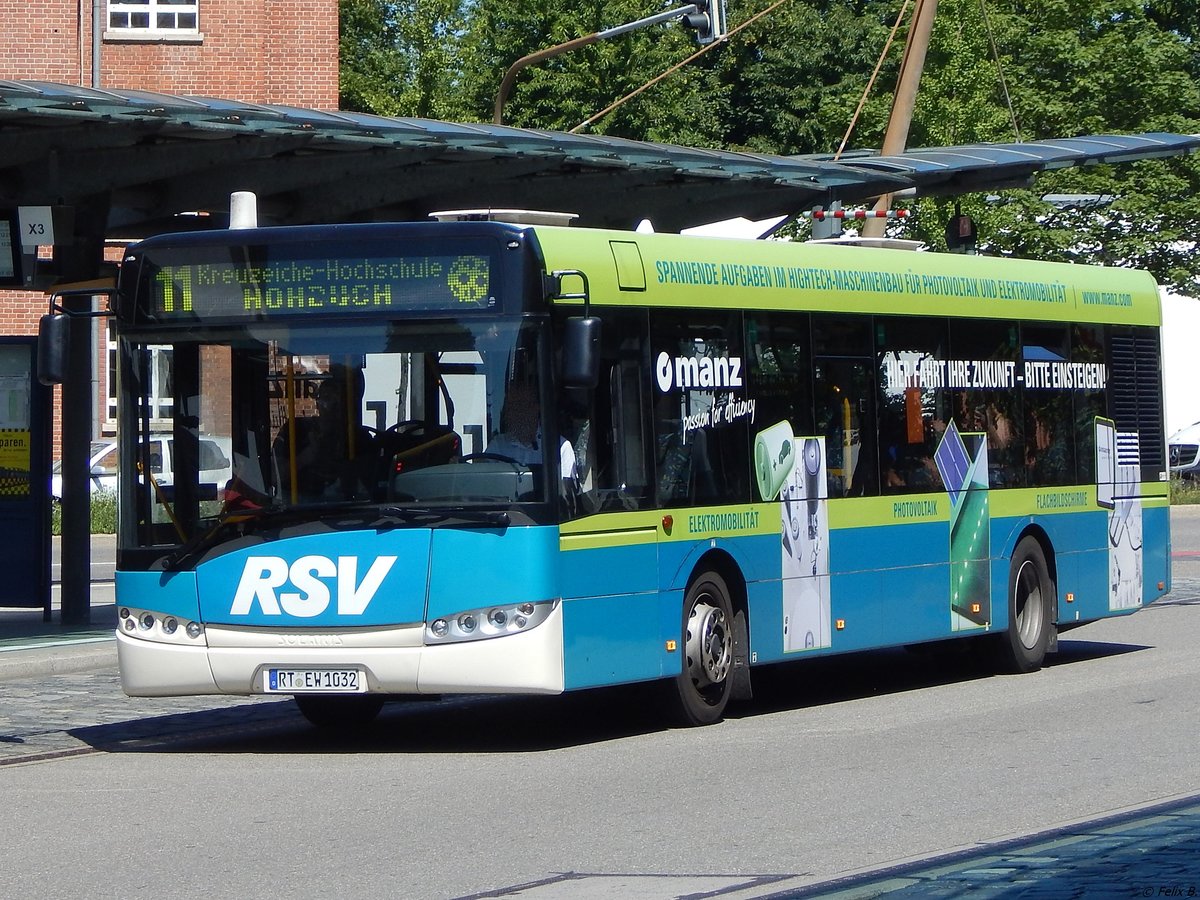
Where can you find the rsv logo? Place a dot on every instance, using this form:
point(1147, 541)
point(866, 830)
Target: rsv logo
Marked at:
point(311, 595)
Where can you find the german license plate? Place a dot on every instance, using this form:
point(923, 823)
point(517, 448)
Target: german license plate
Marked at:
point(313, 681)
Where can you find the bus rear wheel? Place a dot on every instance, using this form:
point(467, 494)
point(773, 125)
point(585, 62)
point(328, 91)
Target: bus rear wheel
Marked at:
point(701, 691)
point(1031, 598)
point(343, 712)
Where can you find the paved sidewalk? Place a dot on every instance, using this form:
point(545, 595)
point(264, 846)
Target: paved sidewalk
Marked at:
point(31, 647)
point(1153, 851)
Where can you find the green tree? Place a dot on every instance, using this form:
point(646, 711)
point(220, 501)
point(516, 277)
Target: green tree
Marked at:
point(561, 92)
point(401, 57)
point(790, 84)
point(1071, 68)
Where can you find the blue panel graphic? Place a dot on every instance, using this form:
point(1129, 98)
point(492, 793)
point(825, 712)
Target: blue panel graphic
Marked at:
point(953, 462)
point(473, 567)
point(614, 640)
point(169, 593)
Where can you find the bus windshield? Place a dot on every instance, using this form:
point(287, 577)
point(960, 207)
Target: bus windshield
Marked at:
point(290, 423)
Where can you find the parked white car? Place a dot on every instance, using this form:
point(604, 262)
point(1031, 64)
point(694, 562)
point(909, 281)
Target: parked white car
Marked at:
point(216, 463)
point(1184, 449)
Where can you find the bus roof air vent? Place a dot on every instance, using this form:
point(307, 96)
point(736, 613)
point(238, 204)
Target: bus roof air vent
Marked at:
point(511, 216)
point(885, 243)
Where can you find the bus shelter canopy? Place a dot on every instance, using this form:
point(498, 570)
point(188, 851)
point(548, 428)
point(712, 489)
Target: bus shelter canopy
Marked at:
point(159, 162)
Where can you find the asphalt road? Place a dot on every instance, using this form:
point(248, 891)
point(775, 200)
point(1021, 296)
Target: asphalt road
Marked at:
point(836, 766)
point(103, 557)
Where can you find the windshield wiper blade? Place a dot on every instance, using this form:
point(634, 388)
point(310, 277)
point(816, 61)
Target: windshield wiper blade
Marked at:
point(497, 517)
point(384, 515)
point(201, 542)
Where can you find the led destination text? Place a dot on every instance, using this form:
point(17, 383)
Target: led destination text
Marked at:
point(334, 284)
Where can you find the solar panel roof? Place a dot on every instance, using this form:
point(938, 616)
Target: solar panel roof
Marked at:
point(144, 159)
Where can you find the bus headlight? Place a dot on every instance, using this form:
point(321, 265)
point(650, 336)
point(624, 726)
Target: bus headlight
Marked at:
point(165, 629)
point(488, 622)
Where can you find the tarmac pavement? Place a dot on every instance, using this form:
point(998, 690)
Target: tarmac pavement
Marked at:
point(1146, 852)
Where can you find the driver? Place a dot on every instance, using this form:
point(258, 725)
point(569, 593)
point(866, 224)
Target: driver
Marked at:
point(520, 433)
point(520, 426)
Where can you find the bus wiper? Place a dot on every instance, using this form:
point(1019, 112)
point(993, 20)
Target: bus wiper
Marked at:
point(497, 517)
point(202, 541)
point(384, 515)
point(193, 548)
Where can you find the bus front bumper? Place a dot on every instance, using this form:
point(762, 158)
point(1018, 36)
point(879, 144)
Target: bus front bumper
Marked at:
point(394, 661)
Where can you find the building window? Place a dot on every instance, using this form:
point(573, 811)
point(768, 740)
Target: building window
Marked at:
point(134, 17)
point(159, 397)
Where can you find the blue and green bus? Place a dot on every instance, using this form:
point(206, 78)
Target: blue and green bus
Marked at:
point(475, 457)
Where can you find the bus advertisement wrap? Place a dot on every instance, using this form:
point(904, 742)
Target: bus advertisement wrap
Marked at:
point(391, 478)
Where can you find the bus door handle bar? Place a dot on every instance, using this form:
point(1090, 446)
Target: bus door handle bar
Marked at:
point(585, 295)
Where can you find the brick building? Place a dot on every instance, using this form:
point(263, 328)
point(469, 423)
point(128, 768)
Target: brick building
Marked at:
point(257, 51)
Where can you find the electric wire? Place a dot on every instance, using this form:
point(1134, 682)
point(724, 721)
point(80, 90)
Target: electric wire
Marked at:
point(987, 23)
point(675, 68)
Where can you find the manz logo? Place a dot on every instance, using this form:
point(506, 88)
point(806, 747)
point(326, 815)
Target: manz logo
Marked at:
point(310, 595)
point(703, 372)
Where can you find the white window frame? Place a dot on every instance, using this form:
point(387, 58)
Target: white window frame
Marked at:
point(160, 14)
point(162, 404)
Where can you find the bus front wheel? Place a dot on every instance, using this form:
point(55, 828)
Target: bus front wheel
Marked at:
point(1031, 598)
point(701, 691)
point(344, 712)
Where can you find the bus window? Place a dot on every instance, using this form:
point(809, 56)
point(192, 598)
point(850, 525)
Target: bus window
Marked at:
point(702, 413)
point(985, 396)
point(780, 368)
point(1049, 443)
point(1090, 403)
point(844, 402)
point(845, 416)
point(913, 402)
point(608, 426)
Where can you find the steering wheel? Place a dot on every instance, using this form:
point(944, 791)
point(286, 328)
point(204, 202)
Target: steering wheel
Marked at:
point(405, 426)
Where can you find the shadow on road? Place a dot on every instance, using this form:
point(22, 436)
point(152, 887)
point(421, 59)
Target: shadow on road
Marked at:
point(483, 724)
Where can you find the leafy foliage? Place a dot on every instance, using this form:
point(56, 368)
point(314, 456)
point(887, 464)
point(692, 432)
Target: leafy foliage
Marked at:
point(790, 83)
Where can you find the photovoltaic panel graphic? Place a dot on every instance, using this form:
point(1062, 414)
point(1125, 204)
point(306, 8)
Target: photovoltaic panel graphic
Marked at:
point(953, 463)
point(960, 465)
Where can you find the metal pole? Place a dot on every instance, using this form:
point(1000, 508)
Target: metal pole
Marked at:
point(911, 66)
point(75, 583)
point(97, 31)
point(528, 60)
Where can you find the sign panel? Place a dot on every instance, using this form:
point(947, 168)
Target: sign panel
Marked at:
point(24, 476)
point(300, 279)
point(37, 226)
point(10, 250)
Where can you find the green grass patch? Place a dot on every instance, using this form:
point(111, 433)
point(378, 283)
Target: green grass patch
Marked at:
point(1185, 491)
point(104, 514)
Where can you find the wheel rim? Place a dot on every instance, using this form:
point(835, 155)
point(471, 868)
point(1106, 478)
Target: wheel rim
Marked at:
point(709, 645)
point(1028, 604)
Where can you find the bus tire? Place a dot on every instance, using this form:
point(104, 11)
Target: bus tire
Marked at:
point(339, 712)
point(1031, 596)
point(701, 691)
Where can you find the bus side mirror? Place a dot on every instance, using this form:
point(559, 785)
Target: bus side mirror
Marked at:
point(581, 352)
point(53, 333)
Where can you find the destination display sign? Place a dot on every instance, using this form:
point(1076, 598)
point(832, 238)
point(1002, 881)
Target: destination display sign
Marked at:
point(314, 278)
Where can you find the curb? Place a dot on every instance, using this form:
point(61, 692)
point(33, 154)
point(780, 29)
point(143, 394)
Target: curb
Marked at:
point(60, 658)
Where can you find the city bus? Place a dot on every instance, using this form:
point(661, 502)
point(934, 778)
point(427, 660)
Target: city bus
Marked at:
point(478, 457)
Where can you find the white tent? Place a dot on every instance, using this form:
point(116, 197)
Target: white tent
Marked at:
point(1181, 360)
